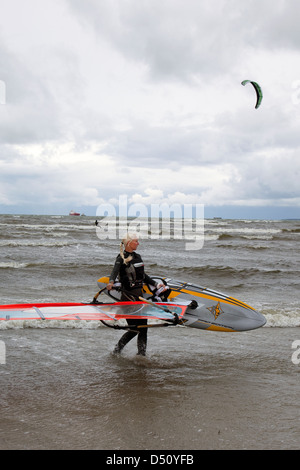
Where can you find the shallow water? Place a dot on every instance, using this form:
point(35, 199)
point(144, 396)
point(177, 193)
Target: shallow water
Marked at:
point(61, 388)
point(60, 258)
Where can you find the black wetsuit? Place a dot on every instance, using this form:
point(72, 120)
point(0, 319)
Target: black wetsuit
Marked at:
point(132, 276)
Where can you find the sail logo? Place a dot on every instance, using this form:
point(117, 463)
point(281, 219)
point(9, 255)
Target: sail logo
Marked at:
point(2, 353)
point(216, 310)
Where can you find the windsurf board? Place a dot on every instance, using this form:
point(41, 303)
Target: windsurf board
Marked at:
point(215, 311)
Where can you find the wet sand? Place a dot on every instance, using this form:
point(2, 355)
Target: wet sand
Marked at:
point(63, 389)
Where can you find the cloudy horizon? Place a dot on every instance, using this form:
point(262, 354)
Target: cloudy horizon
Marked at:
point(100, 99)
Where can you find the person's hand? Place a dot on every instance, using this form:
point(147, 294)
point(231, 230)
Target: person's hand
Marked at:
point(161, 286)
point(110, 285)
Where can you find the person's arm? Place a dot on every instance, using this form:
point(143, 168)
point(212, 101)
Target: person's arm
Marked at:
point(114, 273)
point(151, 281)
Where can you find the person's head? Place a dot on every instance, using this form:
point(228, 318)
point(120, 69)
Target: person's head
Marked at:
point(129, 243)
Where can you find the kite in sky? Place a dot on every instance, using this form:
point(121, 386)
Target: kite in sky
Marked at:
point(258, 90)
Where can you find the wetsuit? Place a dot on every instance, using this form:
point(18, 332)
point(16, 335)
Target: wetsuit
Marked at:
point(132, 276)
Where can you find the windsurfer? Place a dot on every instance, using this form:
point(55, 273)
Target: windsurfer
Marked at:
point(129, 269)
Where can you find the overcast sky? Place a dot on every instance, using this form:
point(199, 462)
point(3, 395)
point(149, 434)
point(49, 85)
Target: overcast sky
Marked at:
point(102, 98)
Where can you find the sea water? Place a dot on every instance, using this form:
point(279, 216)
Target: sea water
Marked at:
point(61, 388)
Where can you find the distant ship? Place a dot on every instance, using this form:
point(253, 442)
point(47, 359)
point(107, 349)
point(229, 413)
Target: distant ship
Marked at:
point(73, 213)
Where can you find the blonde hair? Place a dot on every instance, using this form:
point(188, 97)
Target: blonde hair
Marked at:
point(126, 239)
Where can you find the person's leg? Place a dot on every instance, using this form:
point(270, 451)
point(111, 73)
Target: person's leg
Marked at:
point(142, 339)
point(128, 336)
